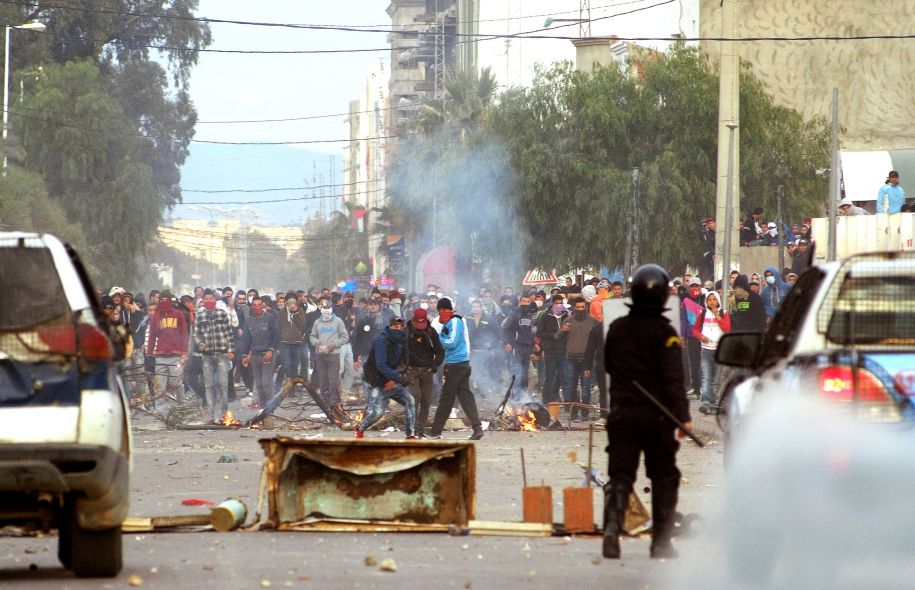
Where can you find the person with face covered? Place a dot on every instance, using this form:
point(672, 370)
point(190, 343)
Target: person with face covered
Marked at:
point(710, 326)
point(749, 312)
point(259, 344)
point(167, 342)
point(328, 335)
point(383, 382)
point(456, 381)
point(423, 354)
point(518, 338)
point(775, 291)
point(549, 338)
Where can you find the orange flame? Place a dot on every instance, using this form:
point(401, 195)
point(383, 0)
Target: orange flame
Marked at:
point(528, 422)
point(228, 419)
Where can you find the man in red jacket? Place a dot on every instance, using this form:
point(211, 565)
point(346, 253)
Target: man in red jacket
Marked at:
point(166, 342)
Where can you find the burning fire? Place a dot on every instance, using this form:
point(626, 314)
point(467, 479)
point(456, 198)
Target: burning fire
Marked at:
point(228, 419)
point(528, 422)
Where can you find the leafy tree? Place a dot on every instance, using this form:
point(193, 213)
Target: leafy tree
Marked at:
point(106, 127)
point(573, 138)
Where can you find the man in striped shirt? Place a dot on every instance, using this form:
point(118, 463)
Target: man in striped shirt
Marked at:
point(214, 340)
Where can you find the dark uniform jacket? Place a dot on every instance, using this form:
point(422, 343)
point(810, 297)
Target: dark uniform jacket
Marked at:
point(644, 347)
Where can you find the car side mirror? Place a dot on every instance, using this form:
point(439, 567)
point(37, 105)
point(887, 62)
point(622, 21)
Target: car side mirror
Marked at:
point(738, 349)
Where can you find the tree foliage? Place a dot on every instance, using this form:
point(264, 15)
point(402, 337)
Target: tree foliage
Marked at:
point(571, 140)
point(105, 126)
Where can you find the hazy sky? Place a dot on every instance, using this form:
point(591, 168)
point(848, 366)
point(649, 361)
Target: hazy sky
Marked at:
point(263, 86)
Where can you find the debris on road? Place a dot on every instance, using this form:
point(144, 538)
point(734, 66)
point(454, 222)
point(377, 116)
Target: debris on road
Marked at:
point(388, 565)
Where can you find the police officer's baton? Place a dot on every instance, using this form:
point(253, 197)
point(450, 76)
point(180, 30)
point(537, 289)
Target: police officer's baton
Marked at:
point(668, 413)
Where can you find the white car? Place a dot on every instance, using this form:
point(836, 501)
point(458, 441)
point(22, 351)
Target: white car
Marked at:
point(65, 442)
point(845, 333)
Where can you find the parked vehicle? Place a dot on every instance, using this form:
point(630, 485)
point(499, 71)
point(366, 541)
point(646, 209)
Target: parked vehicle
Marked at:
point(846, 333)
point(64, 425)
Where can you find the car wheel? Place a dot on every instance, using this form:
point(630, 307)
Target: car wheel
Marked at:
point(90, 554)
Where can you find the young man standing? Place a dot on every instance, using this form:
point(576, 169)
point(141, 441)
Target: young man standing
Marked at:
point(215, 341)
point(166, 342)
point(424, 354)
point(327, 336)
point(259, 344)
point(456, 384)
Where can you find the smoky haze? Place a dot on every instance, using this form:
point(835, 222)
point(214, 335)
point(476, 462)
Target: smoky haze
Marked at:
point(814, 499)
point(460, 198)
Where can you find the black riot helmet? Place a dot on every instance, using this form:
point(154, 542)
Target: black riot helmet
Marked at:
point(650, 287)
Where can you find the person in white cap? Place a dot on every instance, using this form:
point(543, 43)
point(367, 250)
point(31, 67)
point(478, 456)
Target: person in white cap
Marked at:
point(846, 207)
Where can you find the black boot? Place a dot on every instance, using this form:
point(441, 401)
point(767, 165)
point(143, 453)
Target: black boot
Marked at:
point(663, 509)
point(616, 500)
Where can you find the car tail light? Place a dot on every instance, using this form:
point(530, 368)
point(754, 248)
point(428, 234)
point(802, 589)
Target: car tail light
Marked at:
point(839, 384)
point(93, 343)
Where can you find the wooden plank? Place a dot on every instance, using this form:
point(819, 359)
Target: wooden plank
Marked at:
point(509, 529)
point(538, 504)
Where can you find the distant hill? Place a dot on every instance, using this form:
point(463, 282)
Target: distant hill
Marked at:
point(251, 167)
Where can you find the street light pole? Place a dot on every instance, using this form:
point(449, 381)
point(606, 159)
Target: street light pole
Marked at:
point(33, 26)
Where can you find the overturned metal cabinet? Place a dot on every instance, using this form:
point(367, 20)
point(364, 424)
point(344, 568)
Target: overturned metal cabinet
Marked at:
point(372, 484)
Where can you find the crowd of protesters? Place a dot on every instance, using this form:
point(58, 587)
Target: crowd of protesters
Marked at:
point(214, 346)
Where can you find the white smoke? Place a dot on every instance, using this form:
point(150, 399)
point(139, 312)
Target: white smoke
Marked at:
point(814, 499)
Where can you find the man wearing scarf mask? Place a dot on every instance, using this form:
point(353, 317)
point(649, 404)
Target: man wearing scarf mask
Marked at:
point(549, 339)
point(383, 382)
point(518, 338)
point(259, 343)
point(327, 336)
point(456, 342)
point(214, 340)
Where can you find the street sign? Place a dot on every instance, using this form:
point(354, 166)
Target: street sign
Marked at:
point(538, 276)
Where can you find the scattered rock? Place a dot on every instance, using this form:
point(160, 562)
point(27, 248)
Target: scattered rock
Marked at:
point(388, 565)
point(370, 561)
point(227, 459)
point(265, 584)
point(135, 580)
point(596, 560)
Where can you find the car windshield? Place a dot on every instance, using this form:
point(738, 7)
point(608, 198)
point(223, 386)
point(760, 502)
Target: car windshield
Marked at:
point(874, 310)
point(32, 292)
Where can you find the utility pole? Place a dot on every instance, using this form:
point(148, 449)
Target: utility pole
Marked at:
point(728, 217)
point(780, 199)
point(584, 17)
point(728, 115)
point(632, 234)
point(835, 173)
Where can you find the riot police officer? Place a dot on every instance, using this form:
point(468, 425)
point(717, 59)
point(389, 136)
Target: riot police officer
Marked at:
point(643, 348)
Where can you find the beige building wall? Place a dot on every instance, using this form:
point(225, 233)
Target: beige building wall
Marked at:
point(875, 77)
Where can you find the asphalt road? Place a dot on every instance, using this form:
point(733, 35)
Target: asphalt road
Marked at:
point(170, 466)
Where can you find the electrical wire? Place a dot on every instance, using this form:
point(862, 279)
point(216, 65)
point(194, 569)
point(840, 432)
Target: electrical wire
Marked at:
point(282, 25)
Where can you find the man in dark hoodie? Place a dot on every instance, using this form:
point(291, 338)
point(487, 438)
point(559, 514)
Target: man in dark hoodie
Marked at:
point(383, 382)
point(580, 336)
point(549, 339)
point(424, 354)
point(749, 313)
point(518, 337)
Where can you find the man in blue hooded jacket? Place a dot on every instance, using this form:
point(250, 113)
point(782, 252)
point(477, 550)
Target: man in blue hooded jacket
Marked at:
point(774, 293)
point(383, 382)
